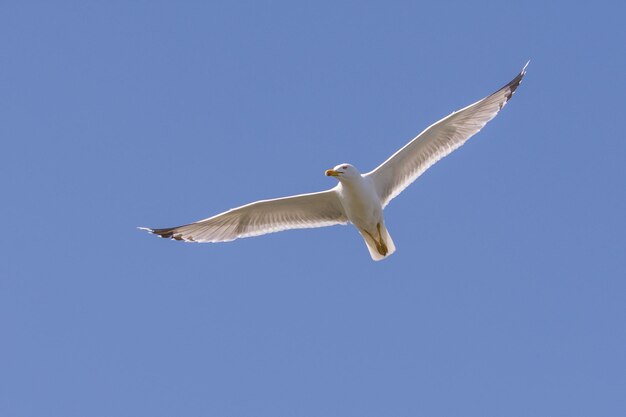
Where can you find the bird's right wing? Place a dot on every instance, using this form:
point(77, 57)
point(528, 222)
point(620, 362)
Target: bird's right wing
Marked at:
point(261, 217)
point(437, 141)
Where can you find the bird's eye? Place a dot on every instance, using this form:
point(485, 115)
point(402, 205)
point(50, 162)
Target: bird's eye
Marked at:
point(344, 167)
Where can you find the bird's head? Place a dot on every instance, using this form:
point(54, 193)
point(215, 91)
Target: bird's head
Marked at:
point(343, 172)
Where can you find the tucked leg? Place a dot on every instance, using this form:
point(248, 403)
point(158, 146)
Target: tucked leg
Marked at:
point(380, 244)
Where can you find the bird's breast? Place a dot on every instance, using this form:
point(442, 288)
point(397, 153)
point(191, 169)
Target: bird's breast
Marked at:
point(362, 205)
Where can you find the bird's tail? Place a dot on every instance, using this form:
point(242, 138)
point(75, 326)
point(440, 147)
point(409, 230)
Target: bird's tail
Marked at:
point(379, 242)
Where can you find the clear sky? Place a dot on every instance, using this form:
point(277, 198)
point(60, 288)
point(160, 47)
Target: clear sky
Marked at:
point(506, 296)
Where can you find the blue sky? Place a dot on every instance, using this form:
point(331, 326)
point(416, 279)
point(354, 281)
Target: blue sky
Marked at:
point(506, 295)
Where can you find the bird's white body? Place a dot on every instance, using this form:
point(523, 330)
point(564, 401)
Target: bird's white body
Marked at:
point(361, 202)
point(364, 209)
point(358, 198)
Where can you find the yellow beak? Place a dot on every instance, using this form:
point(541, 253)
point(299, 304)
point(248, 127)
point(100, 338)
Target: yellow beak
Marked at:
point(332, 173)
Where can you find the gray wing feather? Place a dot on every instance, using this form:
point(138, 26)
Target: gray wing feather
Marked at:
point(261, 217)
point(438, 140)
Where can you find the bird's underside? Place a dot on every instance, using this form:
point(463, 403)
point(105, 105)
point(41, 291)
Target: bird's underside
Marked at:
point(347, 201)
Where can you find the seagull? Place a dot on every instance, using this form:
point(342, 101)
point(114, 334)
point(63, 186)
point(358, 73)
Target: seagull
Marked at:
point(357, 198)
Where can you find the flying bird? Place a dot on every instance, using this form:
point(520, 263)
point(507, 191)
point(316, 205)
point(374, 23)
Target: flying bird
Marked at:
point(357, 198)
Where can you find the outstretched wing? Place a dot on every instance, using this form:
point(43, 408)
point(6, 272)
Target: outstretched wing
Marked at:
point(261, 217)
point(437, 141)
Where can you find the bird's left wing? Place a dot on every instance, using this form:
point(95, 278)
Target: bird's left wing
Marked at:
point(261, 217)
point(437, 141)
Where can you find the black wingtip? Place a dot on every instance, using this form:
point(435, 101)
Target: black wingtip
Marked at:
point(170, 233)
point(515, 82)
point(167, 233)
point(164, 233)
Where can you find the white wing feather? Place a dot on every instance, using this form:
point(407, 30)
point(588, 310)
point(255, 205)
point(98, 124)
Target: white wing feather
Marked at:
point(261, 217)
point(437, 141)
